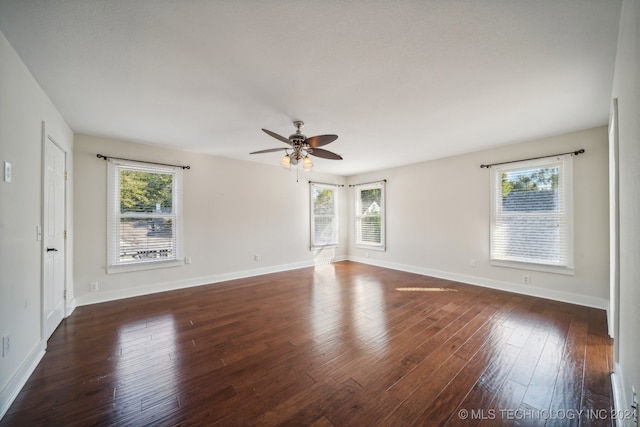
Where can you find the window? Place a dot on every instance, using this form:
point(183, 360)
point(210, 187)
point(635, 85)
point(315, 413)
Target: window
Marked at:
point(144, 217)
point(324, 215)
point(370, 211)
point(531, 214)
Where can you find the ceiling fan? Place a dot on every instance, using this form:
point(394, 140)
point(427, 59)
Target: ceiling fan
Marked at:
point(300, 147)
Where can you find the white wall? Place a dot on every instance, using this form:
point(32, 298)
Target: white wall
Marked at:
point(626, 87)
point(23, 108)
point(233, 210)
point(438, 220)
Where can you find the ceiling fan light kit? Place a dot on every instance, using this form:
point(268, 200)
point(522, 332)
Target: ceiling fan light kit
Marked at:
point(300, 147)
point(306, 164)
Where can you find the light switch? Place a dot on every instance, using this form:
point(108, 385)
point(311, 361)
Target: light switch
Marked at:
point(7, 172)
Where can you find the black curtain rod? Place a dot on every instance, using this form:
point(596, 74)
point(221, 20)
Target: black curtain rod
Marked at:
point(100, 156)
point(365, 183)
point(575, 153)
point(326, 183)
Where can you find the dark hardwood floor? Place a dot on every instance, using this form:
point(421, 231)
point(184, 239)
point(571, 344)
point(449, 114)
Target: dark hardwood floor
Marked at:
point(341, 344)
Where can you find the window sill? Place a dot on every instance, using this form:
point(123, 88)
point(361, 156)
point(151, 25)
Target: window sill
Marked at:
point(151, 265)
point(380, 248)
point(321, 247)
point(534, 267)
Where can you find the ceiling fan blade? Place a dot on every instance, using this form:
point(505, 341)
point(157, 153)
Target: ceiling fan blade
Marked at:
point(270, 150)
point(325, 154)
point(320, 140)
point(276, 136)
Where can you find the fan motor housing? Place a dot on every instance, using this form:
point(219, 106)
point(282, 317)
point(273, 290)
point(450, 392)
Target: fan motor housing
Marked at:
point(297, 138)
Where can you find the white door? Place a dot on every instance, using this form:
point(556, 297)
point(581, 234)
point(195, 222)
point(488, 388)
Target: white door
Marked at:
point(53, 232)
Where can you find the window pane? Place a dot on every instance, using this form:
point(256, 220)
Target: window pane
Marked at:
point(370, 201)
point(145, 192)
point(324, 222)
point(370, 229)
point(530, 221)
point(324, 230)
point(370, 215)
point(536, 238)
point(146, 239)
point(323, 202)
point(531, 190)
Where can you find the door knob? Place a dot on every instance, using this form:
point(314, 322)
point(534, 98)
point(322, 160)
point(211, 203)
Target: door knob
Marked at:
point(52, 250)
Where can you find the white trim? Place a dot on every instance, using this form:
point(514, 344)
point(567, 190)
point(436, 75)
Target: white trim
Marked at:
point(148, 265)
point(614, 228)
point(619, 403)
point(19, 379)
point(517, 288)
point(99, 297)
point(533, 267)
point(381, 248)
point(71, 306)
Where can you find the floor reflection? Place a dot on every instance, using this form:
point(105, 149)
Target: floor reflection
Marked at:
point(369, 313)
point(354, 311)
point(414, 289)
point(324, 256)
point(145, 363)
point(326, 303)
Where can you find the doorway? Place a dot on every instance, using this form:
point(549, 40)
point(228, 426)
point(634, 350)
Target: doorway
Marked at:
point(53, 247)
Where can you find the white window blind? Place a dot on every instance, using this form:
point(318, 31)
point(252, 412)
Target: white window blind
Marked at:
point(144, 215)
point(532, 213)
point(370, 215)
point(324, 215)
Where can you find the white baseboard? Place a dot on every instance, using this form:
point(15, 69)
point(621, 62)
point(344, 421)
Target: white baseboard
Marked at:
point(98, 297)
point(19, 379)
point(71, 305)
point(552, 294)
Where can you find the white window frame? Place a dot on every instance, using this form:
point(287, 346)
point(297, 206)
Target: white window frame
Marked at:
point(313, 186)
point(359, 243)
point(565, 185)
point(114, 265)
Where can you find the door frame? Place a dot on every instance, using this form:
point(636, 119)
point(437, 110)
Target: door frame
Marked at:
point(46, 136)
point(614, 230)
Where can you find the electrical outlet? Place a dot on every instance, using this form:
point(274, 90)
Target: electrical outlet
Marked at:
point(472, 263)
point(94, 286)
point(525, 279)
point(187, 260)
point(256, 257)
point(6, 345)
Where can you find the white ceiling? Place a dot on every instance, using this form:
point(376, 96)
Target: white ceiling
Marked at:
point(399, 81)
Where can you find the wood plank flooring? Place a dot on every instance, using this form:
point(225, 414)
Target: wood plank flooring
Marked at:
point(337, 345)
